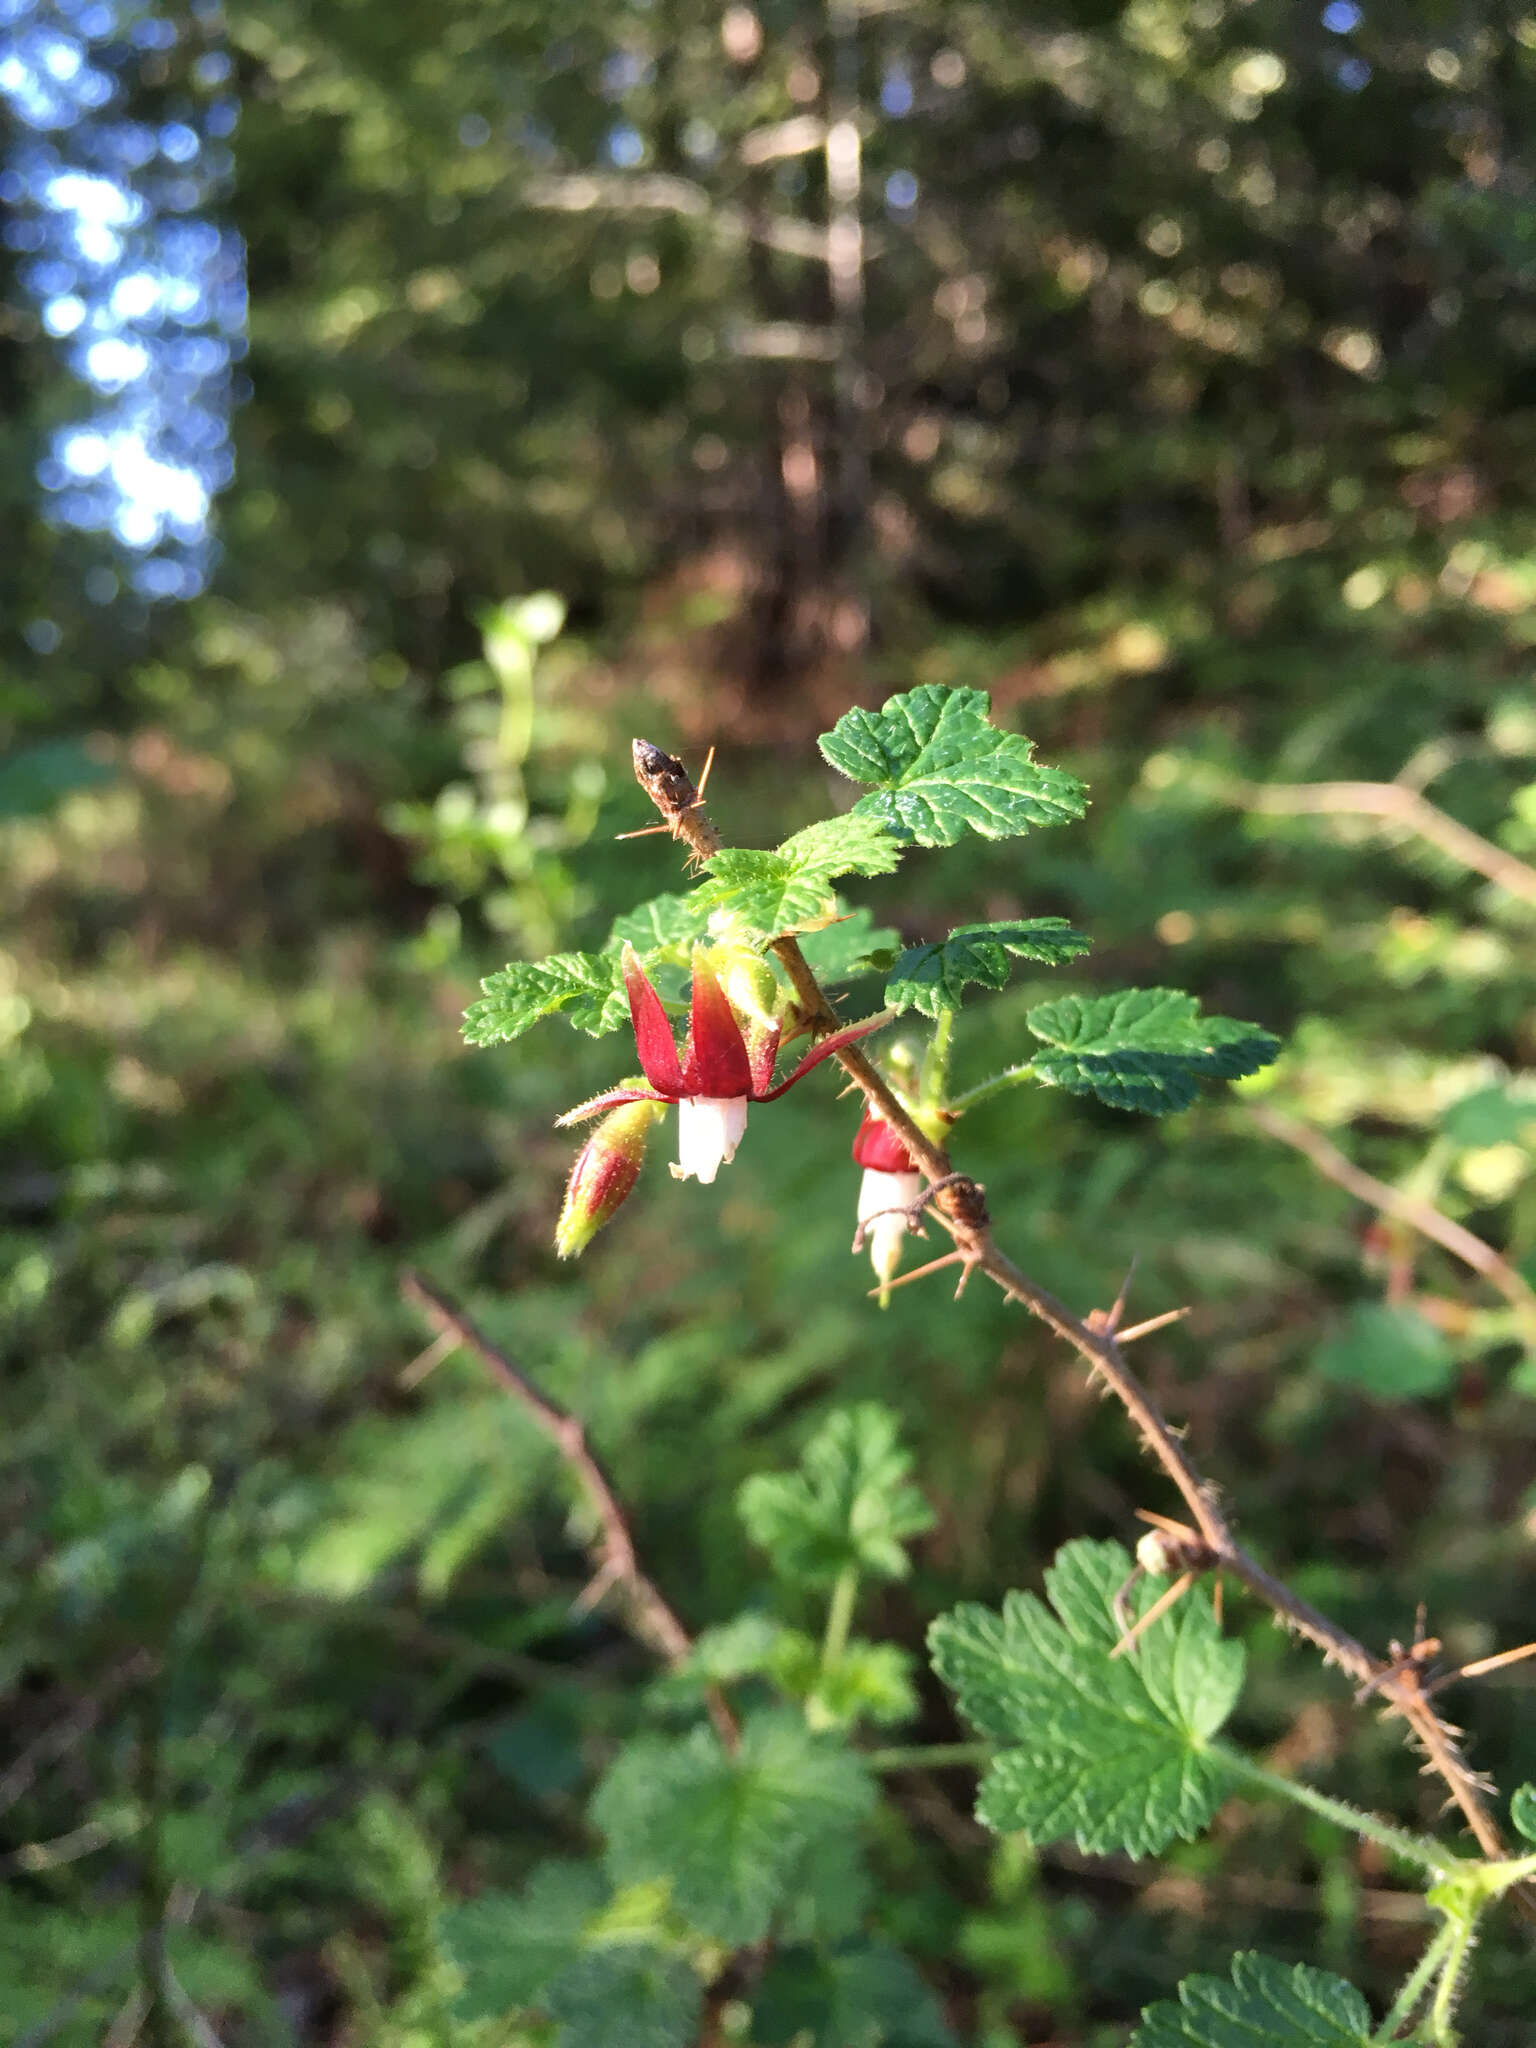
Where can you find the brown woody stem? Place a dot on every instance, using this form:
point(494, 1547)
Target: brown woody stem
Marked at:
point(963, 1213)
point(614, 1550)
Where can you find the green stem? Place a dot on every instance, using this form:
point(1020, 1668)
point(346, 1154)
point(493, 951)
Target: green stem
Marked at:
point(935, 1075)
point(1462, 1935)
point(985, 1090)
point(1407, 2000)
point(923, 1756)
point(839, 1616)
point(1420, 1850)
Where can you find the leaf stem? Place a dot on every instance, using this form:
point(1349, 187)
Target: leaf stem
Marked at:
point(985, 1090)
point(1462, 1934)
point(839, 1616)
point(1417, 1983)
point(1422, 1851)
point(923, 1756)
point(935, 1076)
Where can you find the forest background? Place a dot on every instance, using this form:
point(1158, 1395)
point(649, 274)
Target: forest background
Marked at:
point(698, 372)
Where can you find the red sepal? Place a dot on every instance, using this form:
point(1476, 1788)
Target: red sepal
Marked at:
point(823, 1050)
point(614, 1098)
point(653, 1033)
point(877, 1144)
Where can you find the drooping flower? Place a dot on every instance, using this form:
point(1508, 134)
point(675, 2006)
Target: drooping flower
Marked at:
point(719, 1072)
point(606, 1168)
point(890, 1186)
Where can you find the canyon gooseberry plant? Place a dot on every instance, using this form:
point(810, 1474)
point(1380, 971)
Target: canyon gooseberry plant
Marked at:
point(729, 1898)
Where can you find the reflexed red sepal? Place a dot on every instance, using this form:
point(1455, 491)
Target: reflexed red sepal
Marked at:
point(825, 1048)
point(653, 1033)
point(876, 1144)
point(612, 1098)
point(715, 1062)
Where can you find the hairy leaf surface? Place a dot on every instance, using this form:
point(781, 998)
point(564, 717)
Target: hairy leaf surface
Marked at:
point(511, 1946)
point(933, 977)
point(850, 1505)
point(588, 987)
point(730, 1830)
point(1263, 2004)
point(791, 888)
point(861, 1995)
point(627, 1994)
point(1112, 1752)
point(1143, 1048)
point(939, 769)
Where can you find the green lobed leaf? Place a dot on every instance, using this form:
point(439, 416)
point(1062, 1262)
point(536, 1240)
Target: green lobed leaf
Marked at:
point(626, 1994)
point(510, 1947)
point(1522, 1811)
point(1114, 1752)
point(737, 1834)
point(667, 924)
point(854, 945)
point(863, 1994)
point(1143, 1048)
point(849, 1506)
point(588, 987)
point(1264, 2004)
point(939, 768)
point(791, 888)
point(933, 977)
point(1392, 1352)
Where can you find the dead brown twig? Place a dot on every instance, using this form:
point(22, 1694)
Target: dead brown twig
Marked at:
point(1461, 1243)
point(961, 1209)
point(614, 1549)
point(1400, 804)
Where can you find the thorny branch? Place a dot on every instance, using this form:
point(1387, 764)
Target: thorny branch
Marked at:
point(614, 1550)
point(961, 1208)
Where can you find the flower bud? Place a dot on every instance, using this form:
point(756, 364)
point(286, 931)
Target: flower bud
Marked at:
point(876, 1144)
point(606, 1168)
point(890, 1185)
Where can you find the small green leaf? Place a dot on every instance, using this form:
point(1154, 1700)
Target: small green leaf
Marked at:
point(787, 890)
point(1389, 1351)
point(1264, 2004)
point(1490, 1116)
point(734, 1832)
point(854, 945)
point(1522, 1811)
point(939, 769)
point(510, 1947)
point(863, 1994)
point(933, 977)
point(866, 1682)
point(627, 1994)
point(850, 1505)
point(589, 987)
point(667, 924)
point(1113, 1752)
point(1143, 1048)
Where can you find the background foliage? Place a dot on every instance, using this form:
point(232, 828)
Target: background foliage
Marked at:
point(1180, 396)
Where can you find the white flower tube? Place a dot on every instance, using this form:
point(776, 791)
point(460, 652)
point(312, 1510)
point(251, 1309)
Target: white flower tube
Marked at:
point(893, 1192)
point(709, 1128)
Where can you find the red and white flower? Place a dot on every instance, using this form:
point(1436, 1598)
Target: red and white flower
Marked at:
point(890, 1186)
point(719, 1072)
